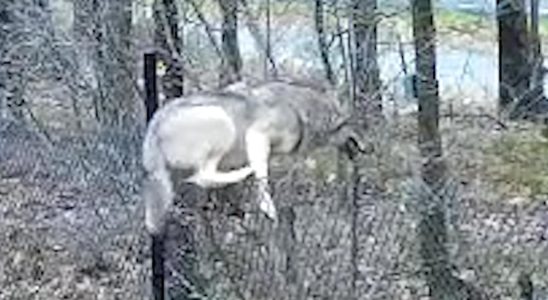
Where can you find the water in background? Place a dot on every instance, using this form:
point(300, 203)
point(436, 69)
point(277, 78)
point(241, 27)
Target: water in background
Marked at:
point(462, 70)
point(475, 6)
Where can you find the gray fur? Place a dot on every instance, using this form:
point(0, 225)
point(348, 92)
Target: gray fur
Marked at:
point(226, 136)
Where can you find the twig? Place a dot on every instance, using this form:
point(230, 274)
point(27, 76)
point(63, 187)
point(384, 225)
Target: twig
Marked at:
point(256, 34)
point(208, 28)
point(476, 115)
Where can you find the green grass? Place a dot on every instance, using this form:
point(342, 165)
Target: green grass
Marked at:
point(519, 164)
point(470, 22)
point(543, 27)
point(462, 20)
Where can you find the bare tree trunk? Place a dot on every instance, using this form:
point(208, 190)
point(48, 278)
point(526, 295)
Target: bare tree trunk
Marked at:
point(6, 20)
point(354, 243)
point(82, 30)
point(268, 47)
point(169, 43)
point(232, 61)
point(514, 71)
point(432, 231)
point(540, 102)
point(289, 241)
point(367, 74)
point(11, 62)
point(432, 226)
point(536, 50)
point(183, 278)
point(319, 16)
point(341, 44)
point(97, 16)
point(116, 103)
point(352, 59)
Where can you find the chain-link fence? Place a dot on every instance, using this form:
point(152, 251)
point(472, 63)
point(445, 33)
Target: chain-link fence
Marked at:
point(72, 221)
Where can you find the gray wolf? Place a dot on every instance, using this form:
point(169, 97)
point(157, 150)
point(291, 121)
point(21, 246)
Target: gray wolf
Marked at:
point(226, 136)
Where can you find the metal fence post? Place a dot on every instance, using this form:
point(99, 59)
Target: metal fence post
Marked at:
point(158, 240)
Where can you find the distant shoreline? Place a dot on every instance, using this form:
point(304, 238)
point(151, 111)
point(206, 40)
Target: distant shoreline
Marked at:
point(464, 29)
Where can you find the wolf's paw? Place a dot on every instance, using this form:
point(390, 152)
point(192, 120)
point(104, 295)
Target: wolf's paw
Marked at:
point(266, 205)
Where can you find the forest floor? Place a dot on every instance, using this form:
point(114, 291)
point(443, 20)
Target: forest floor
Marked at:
point(70, 224)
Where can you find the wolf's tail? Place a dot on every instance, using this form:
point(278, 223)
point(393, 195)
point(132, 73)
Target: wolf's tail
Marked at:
point(158, 188)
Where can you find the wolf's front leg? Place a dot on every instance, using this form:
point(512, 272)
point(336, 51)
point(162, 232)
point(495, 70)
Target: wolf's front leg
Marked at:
point(258, 150)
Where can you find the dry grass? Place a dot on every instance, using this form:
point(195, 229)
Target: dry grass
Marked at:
point(71, 219)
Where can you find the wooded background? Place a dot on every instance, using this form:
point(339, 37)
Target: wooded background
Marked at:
point(449, 203)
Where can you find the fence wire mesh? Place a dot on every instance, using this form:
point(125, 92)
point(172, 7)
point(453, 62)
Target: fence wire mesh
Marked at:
point(71, 224)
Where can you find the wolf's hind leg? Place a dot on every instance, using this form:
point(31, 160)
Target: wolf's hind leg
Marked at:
point(208, 176)
point(258, 150)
